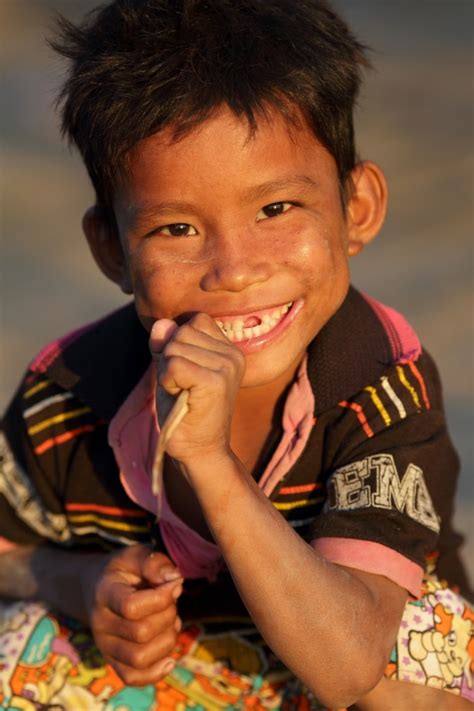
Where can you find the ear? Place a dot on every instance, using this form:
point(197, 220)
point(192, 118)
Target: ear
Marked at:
point(104, 242)
point(367, 205)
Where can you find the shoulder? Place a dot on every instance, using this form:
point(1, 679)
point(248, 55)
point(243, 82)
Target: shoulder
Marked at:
point(98, 363)
point(361, 342)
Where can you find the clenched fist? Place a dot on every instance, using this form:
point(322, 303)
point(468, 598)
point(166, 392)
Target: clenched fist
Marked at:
point(133, 617)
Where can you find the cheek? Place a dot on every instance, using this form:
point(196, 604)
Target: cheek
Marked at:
point(154, 281)
point(316, 250)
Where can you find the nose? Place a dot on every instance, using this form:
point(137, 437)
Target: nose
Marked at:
point(236, 264)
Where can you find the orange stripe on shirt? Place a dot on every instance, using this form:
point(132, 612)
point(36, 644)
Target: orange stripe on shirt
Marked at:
point(302, 488)
point(111, 510)
point(65, 437)
point(419, 377)
point(360, 416)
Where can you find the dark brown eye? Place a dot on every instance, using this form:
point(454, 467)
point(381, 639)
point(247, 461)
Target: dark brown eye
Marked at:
point(273, 210)
point(178, 229)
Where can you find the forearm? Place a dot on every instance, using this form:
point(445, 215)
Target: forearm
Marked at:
point(310, 611)
point(50, 574)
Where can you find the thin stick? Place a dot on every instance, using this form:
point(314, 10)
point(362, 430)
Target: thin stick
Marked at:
point(178, 411)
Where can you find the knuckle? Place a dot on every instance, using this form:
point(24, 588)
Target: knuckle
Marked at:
point(169, 640)
point(200, 319)
point(137, 658)
point(126, 608)
point(141, 633)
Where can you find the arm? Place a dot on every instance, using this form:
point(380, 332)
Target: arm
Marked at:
point(128, 598)
point(309, 610)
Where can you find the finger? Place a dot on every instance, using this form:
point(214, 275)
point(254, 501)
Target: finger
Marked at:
point(158, 569)
point(219, 359)
point(127, 564)
point(139, 631)
point(160, 333)
point(137, 677)
point(139, 656)
point(136, 604)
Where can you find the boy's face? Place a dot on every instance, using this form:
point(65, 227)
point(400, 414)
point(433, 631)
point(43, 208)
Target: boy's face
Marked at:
point(237, 227)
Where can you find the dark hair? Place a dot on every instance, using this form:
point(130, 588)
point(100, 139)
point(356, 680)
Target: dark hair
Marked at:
point(138, 66)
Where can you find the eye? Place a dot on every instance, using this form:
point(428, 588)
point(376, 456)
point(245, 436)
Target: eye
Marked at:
point(177, 229)
point(273, 210)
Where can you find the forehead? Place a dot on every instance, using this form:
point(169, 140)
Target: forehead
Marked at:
point(224, 156)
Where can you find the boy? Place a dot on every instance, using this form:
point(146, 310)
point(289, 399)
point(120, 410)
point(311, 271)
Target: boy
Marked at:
point(218, 137)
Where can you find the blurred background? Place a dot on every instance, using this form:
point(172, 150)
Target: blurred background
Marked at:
point(415, 118)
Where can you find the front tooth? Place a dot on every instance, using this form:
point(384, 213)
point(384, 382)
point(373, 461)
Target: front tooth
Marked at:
point(265, 328)
point(238, 325)
point(247, 332)
point(257, 330)
point(239, 335)
point(266, 318)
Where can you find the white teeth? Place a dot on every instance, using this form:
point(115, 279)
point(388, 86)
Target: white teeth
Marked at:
point(235, 331)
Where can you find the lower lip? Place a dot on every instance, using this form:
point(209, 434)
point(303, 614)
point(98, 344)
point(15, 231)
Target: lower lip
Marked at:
point(259, 342)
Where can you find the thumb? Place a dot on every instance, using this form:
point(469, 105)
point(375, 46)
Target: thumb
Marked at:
point(160, 334)
point(158, 569)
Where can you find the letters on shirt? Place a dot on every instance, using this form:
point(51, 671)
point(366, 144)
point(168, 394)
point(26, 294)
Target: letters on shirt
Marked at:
point(374, 482)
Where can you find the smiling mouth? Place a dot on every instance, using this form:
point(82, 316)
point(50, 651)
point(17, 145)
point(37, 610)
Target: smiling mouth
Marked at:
point(259, 323)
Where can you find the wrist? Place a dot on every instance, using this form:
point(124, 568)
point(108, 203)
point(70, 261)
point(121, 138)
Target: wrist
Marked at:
point(206, 465)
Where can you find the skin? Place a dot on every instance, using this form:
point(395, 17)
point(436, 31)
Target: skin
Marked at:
point(219, 182)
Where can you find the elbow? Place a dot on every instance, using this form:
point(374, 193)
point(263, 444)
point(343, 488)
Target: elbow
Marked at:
point(350, 682)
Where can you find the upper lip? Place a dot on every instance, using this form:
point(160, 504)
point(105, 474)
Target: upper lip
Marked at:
point(249, 311)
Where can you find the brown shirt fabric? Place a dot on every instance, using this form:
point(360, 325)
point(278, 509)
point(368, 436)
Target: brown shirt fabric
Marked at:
point(378, 460)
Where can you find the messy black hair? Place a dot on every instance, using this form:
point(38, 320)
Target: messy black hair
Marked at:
point(138, 66)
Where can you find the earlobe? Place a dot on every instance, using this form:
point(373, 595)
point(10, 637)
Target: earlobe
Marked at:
point(104, 243)
point(367, 205)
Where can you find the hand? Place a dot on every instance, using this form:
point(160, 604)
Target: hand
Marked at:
point(197, 357)
point(133, 613)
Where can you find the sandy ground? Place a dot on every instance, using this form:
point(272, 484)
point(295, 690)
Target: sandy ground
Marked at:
point(415, 119)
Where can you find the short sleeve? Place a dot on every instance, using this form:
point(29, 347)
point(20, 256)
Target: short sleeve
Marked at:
point(32, 474)
point(392, 483)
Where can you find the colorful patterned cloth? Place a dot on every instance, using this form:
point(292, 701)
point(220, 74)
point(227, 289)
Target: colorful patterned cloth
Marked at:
point(52, 664)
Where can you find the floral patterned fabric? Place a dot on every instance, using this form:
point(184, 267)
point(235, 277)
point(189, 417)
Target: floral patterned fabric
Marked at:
point(51, 663)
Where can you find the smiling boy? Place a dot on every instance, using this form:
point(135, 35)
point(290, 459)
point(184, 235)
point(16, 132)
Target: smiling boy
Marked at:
point(312, 476)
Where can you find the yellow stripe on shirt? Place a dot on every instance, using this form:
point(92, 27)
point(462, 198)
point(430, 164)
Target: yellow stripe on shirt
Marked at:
point(118, 525)
point(34, 429)
point(36, 388)
point(408, 386)
point(378, 404)
point(297, 504)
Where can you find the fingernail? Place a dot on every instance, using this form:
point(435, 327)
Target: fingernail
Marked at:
point(176, 591)
point(169, 574)
point(169, 666)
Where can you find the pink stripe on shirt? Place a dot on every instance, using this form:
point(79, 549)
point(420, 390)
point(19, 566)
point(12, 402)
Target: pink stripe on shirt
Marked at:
point(373, 558)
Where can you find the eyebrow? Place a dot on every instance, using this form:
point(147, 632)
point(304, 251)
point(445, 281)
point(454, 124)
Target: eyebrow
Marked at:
point(149, 210)
point(298, 181)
